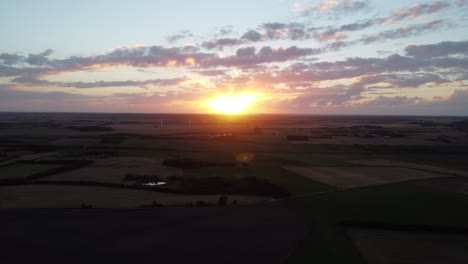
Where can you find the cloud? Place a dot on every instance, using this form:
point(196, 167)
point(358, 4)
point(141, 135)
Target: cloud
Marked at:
point(179, 36)
point(252, 36)
point(403, 80)
point(332, 6)
point(417, 11)
point(10, 59)
point(211, 72)
point(152, 56)
point(338, 33)
point(346, 5)
point(454, 104)
point(136, 56)
point(403, 32)
point(296, 31)
point(438, 50)
point(462, 3)
point(39, 59)
point(357, 67)
point(225, 30)
point(393, 100)
point(267, 31)
point(267, 54)
point(220, 43)
point(32, 59)
point(31, 81)
point(314, 98)
point(293, 31)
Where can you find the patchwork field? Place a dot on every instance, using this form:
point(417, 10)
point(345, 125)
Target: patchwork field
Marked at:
point(452, 184)
point(415, 166)
point(113, 170)
point(21, 171)
point(350, 177)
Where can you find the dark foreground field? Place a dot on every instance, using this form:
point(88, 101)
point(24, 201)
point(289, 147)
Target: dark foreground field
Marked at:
point(246, 234)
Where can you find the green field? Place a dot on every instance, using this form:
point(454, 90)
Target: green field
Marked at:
point(396, 204)
point(21, 171)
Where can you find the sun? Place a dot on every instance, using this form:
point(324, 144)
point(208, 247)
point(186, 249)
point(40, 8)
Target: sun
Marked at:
point(232, 104)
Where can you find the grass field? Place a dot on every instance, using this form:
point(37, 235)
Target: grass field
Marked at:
point(400, 247)
point(113, 170)
point(262, 167)
point(397, 204)
point(21, 171)
point(62, 196)
point(350, 177)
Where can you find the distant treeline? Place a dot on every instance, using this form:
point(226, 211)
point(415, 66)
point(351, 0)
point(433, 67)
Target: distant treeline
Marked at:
point(141, 178)
point(298, 138)
point(186, 163)
point(208, 185)
point(91, 128)
point(227, 185)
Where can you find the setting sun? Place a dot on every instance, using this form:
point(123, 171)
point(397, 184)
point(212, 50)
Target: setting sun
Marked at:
point(232, 104)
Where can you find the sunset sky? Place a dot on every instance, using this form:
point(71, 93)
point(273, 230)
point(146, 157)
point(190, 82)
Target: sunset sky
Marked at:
point(279, 56)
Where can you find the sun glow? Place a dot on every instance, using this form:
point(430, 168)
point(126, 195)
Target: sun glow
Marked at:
point(232, 104)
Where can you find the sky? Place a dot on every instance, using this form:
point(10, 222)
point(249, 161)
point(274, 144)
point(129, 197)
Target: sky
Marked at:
point(274, 56)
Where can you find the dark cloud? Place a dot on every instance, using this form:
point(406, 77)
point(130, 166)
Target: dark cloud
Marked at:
point(438, 50)
point(403, 80)
point(179, 36)
point(293, 31)
point(252, 36)
point(301, 31)
point(31, 81)
point(243, 52)
point(393, 100)
point(315, 97)
point(224, 31)
point(356, 67)
point(267, 54)
point(403, 32)
point(339, 32)
point(10, 59)
point(32, 59)
point(39, 59)
point(9, 71)
point(416, 11)
point(220, 43)
point(155, 56)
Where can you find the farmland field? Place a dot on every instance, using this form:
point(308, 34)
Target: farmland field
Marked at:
point(57, 196)
point(400, 247)
point(237, 189)
point(349, 177)
point(114, 169)
point(21, 171)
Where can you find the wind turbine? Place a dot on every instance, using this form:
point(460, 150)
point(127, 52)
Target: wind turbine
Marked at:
point(161, 122)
